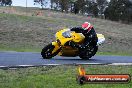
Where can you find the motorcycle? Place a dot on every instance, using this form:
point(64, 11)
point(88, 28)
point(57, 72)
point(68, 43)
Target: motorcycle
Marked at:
point(60, 46)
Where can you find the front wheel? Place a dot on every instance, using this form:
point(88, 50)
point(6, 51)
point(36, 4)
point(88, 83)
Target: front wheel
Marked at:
point(47, 51)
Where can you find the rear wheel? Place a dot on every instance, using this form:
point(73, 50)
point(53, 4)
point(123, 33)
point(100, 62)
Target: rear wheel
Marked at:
point(88, 53)
point(47, 51)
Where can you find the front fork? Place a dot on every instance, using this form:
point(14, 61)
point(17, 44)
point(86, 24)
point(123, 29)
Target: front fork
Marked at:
point(56, 47)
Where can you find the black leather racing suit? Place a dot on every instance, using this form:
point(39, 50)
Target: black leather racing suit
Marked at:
point(90, 36)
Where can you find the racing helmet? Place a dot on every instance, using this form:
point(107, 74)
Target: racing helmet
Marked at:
point(87, 26)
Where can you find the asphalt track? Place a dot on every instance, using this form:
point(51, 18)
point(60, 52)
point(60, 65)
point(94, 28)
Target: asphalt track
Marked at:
point(35, 59)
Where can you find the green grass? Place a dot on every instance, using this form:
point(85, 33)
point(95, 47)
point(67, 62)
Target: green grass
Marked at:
point(115, 54)
point(58, 77)
point(20, 49)
point(26, 48)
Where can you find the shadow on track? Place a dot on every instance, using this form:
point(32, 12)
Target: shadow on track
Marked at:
point(73, 60)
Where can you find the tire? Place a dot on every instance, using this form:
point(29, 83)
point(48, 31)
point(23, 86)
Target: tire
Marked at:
point(47, 51)
point(88, 53)
point(95, 50)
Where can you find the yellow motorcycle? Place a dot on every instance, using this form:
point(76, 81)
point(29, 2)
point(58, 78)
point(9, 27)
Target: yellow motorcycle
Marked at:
point(60, 46)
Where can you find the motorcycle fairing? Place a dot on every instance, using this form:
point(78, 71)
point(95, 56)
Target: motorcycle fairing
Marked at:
point(101, 39)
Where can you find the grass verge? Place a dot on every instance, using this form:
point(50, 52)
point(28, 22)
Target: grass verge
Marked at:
point(35, 49)
point(58, 76)
point(114, 54)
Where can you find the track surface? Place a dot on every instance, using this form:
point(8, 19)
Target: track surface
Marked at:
point(28, 58)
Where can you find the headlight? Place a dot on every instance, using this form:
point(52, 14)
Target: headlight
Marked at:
point(66, 34)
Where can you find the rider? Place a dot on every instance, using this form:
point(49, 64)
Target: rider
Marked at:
point(90, 36)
